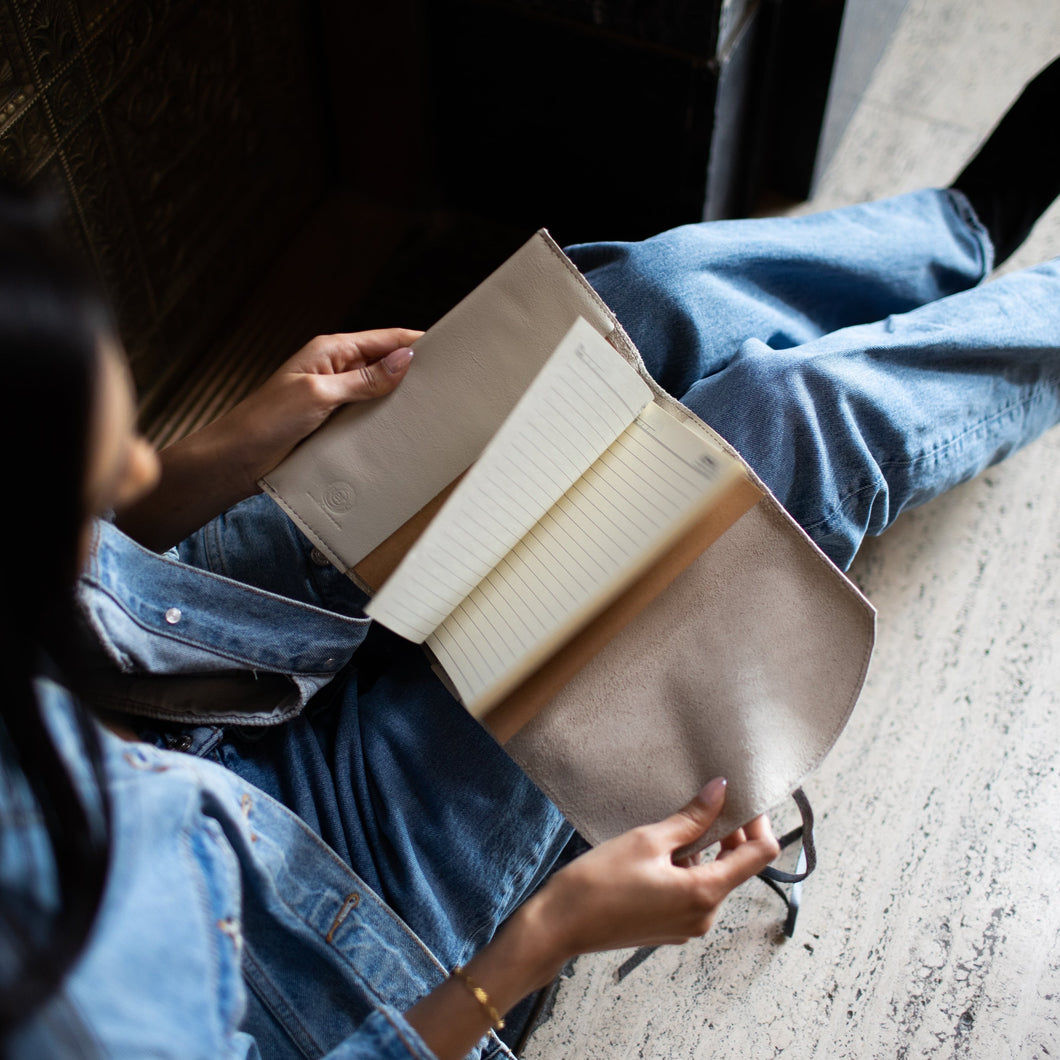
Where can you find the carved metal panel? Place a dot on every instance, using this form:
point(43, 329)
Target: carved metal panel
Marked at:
point(182, 139)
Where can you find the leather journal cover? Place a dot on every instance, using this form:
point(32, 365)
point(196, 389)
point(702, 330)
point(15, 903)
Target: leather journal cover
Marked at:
point(739, 650)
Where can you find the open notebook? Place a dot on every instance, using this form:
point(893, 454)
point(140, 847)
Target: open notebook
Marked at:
point(598, 576)
point(584, 486)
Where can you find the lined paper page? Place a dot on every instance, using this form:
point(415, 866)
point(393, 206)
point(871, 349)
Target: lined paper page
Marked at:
point(638, 498)
point(583, 398)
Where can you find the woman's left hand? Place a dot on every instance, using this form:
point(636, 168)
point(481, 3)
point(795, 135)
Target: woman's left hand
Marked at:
point(633, 890)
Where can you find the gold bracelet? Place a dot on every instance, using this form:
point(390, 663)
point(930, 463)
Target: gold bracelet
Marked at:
point(480, 996)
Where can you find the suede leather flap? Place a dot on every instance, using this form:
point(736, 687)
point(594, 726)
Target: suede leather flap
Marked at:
point(747, 667)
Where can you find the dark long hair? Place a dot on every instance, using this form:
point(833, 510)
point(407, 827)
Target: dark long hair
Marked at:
point(51, 322)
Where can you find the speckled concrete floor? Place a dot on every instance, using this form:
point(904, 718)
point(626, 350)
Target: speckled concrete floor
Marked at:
point(932, 928)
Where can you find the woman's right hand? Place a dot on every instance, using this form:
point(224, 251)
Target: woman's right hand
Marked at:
point(220, 464)
point(629, 891)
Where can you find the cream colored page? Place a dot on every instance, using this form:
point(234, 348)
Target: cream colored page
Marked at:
point(641, 494)
point(585, 395)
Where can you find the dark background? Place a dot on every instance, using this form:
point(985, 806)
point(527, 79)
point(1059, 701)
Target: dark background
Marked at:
point(243, 174)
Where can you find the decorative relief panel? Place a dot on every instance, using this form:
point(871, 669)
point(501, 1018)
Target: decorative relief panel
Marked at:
point(49, 35)
point(183, 141)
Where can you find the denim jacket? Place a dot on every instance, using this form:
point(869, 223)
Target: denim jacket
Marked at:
point(213, 885)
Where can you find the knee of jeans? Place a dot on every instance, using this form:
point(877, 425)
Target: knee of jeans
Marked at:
point(761, 404)
point(783, 413)
point(630, 284)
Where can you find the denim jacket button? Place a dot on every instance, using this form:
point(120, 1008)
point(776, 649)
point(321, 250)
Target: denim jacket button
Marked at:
point(318, 558)
point(173, 615)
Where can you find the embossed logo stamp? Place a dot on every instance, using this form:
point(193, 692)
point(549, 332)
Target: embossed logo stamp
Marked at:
point(338, 497)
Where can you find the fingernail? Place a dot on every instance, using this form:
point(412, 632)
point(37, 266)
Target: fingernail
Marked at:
point(397, 359)
point(716, 787)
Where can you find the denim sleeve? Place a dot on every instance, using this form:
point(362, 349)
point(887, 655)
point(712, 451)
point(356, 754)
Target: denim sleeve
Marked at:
point(385, 1035)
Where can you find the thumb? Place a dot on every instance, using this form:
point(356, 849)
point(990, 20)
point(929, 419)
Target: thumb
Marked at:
point(378, 378)
point(684, 827)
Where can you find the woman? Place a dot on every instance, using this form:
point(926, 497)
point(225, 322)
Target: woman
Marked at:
point(142, 887)
point(302, 880)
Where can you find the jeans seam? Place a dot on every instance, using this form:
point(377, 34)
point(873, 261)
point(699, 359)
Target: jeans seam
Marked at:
point(1023, 402)
point(843, 503)
point(473, 943)
point(214, 549)
point(840, 506)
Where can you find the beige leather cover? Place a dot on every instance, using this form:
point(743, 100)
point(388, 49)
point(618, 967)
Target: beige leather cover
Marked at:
point(379, 462)
point(746, 666)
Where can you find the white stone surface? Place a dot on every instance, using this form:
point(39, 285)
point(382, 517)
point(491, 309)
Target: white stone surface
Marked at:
point(932, 927)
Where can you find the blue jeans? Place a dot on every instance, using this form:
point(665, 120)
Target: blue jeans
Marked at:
point(384, 765)
point(853, 357)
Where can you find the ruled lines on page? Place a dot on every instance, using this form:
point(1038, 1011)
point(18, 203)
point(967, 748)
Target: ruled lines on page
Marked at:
point(583, 398)
point(627, 508)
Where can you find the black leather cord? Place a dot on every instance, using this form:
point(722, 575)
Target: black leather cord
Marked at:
point(806, 864)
